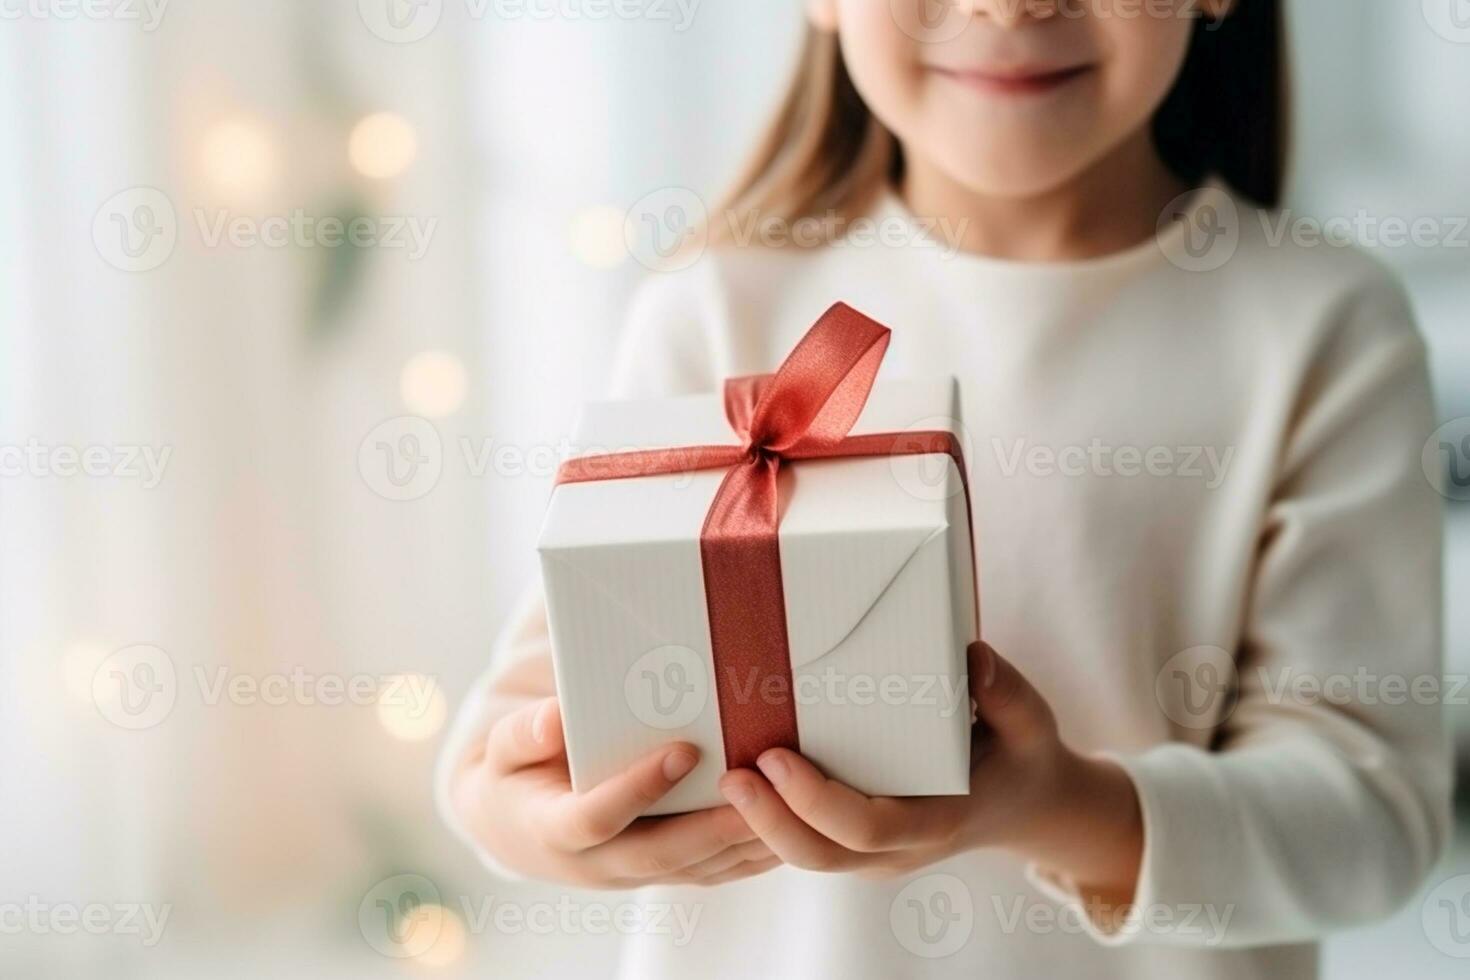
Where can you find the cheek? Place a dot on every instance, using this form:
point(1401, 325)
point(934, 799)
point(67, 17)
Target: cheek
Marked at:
point(882, 61)
point(1144, 59)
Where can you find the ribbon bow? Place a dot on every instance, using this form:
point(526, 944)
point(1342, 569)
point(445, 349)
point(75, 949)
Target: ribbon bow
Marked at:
point(805, 410)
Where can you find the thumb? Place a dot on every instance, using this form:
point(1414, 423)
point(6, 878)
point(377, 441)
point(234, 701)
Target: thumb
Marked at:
point(1004, 699)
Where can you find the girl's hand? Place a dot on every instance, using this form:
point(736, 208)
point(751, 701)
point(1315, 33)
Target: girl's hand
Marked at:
point(517, 801)
point(1029, 793)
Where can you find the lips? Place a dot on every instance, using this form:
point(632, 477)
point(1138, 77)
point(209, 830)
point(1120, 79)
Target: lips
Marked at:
point(1016, 81)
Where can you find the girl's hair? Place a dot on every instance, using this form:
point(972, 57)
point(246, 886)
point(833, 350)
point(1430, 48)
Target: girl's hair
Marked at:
point(1225, 118)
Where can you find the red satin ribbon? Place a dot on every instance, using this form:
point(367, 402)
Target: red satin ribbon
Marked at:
point(803, 411)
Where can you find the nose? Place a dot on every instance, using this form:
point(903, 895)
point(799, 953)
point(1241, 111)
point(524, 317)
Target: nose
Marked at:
point(1009, 13)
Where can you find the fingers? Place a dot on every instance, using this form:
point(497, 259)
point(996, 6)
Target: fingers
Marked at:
point(526, 736)
point(842, 814)
point(662, 846)
point(748, 869)
point(751, 850)
point(579, 821)
point(788, 837)
point(1007, 702)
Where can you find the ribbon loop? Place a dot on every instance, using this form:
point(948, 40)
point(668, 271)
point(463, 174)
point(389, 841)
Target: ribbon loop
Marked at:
point(817, 394)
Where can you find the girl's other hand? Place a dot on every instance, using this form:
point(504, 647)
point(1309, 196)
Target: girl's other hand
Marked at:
point(1029, 793)
point(516, 799)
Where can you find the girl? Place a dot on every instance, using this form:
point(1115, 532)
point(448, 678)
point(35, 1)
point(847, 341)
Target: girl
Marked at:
point(1197, 499)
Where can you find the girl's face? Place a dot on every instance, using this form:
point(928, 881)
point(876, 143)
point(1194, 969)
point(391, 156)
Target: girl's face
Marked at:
point(1013, 98)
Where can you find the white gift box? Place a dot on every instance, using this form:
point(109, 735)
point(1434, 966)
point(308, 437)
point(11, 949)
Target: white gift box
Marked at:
point(879, 592)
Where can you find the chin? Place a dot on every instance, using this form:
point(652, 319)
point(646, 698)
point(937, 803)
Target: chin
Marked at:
point(1004, 172)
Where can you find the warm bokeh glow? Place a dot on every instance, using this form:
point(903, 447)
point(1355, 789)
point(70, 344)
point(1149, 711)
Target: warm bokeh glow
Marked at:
point(240, 158)
point(433, 384)
point(597, 237)
point(450, 936)
point(411, 707)
point(382, 145)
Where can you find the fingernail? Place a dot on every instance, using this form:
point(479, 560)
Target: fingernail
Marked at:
point(987, 672)
point(737, 791)
point(677, 765)
point(774, 767)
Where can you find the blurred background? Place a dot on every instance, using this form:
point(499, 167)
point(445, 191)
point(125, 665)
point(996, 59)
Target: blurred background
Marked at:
point(296, 300)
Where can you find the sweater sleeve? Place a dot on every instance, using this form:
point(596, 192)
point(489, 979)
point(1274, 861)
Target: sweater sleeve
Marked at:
point(665, 349)
point(1323, 800)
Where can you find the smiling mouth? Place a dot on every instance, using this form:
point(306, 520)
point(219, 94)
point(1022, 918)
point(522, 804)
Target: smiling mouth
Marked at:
point(1016, 82)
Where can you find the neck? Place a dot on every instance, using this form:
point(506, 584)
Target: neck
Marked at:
point(1112, 206)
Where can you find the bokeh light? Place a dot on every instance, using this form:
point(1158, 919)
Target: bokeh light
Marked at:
point(433, 384)
point(597, 237)
point(240, 159)
point(448, 930)
point(382, 145)
point(411, 707)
